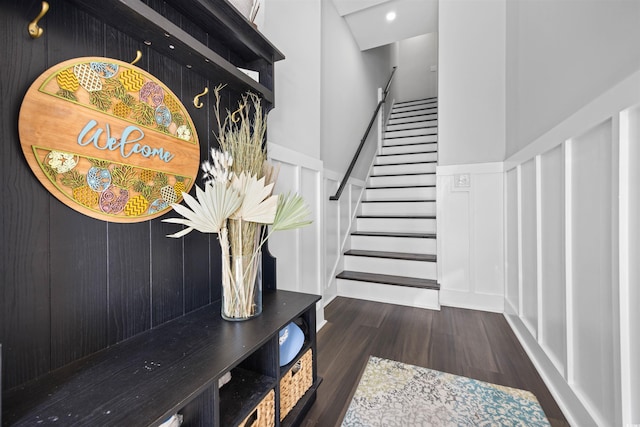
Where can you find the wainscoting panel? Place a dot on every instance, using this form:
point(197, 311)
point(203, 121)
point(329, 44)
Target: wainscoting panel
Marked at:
point(512, 273)
point(552, 303)
point(629, 265)
point(299, 252)
point(310, 236)
point(470, 236)
point(331, 236)
point(577, 185)
point(454, 268)
point(529, 235)
point(593, 370)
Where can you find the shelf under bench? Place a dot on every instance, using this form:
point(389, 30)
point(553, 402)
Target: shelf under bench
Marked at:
point(147, 378)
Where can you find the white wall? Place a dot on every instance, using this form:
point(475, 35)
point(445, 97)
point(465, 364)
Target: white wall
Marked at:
point(471, 85)
point(471, 108)
point(560, 55)
point(414, 77)
point(294, 27)
point(350, 79)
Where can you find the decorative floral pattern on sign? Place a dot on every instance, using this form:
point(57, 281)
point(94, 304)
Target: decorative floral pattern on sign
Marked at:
point(111, 188)
point(124, 93)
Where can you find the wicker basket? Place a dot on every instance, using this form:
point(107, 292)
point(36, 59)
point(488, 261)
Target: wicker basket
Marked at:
point(264, 415)
point(295, 383)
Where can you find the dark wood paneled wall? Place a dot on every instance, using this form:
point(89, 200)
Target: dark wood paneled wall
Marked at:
point(72, 285)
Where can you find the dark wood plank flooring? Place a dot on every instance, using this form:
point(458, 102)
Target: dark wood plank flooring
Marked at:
point(472, 343)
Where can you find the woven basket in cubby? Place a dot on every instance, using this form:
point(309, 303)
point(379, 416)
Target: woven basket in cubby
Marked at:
point(295, 383)
point(264, 415)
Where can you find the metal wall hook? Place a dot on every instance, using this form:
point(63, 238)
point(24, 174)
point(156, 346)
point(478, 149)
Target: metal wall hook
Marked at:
point(138, 57)
point(233, 115)
point(196, 99)
point(34, 30)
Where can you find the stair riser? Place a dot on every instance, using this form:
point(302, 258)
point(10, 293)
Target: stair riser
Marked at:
point(421, 193)
point(399, 225)
point(411, 132)
point(410, 148)
point(388, 142)
point(382, 181)
point(408, 117)
point(412, 125)
point(400, 169)
point(415, 108)
point(395, 244)
point(406, 158)
point(399, 208)
point(411, 297)
point(394, 267)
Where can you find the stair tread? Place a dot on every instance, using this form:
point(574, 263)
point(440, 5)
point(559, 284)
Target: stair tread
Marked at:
point(410, 143)
point(426, 100)
point(398, 201)
point(388, 279)
point(421, 108)
point(407, 163)
point(392, 255)
point(383, 187)
point(390, 216)
point(410, 136)
point(404, 130)
point(412, 121)
point(394, 234)
point(402, 174)
point(407, 154)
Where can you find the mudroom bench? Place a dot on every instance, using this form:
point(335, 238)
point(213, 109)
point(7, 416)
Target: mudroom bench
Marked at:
point(176, 369)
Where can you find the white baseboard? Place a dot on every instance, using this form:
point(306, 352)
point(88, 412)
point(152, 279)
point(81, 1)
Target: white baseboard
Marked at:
point(573, 409)
point(473, 301)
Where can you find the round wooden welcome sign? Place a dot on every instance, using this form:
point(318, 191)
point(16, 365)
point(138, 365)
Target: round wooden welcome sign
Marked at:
point(108, 139)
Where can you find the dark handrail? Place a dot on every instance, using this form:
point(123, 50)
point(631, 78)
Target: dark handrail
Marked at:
point(347, 174)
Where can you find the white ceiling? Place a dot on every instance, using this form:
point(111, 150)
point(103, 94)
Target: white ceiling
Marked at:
point(369, 26)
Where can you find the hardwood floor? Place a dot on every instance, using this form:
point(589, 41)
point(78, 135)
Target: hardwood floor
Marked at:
point(472, 343)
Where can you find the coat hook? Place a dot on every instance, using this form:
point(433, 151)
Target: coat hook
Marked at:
point(233, 115)
point(138, 57)
point(196, 100)
point(34, 30)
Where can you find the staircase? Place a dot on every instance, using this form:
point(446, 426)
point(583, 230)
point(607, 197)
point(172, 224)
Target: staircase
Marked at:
point(393, 250)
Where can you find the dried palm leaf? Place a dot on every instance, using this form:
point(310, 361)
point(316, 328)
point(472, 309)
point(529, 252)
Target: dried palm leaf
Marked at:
point(209, 212)
point(257, 205)
point(292, 213)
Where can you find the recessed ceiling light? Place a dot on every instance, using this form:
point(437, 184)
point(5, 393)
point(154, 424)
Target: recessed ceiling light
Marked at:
point(391, 16)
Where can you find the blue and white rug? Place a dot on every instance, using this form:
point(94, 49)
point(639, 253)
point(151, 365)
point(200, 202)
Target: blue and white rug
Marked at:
point(396, 394)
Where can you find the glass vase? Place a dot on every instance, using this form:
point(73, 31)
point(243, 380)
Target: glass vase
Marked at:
point(241, 284)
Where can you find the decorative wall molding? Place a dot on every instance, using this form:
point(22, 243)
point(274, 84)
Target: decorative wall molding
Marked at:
point(470, 236)
point(571, 209)
point(302, 248)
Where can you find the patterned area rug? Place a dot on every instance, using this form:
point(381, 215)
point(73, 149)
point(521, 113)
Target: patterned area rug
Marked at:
point(396, 394)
